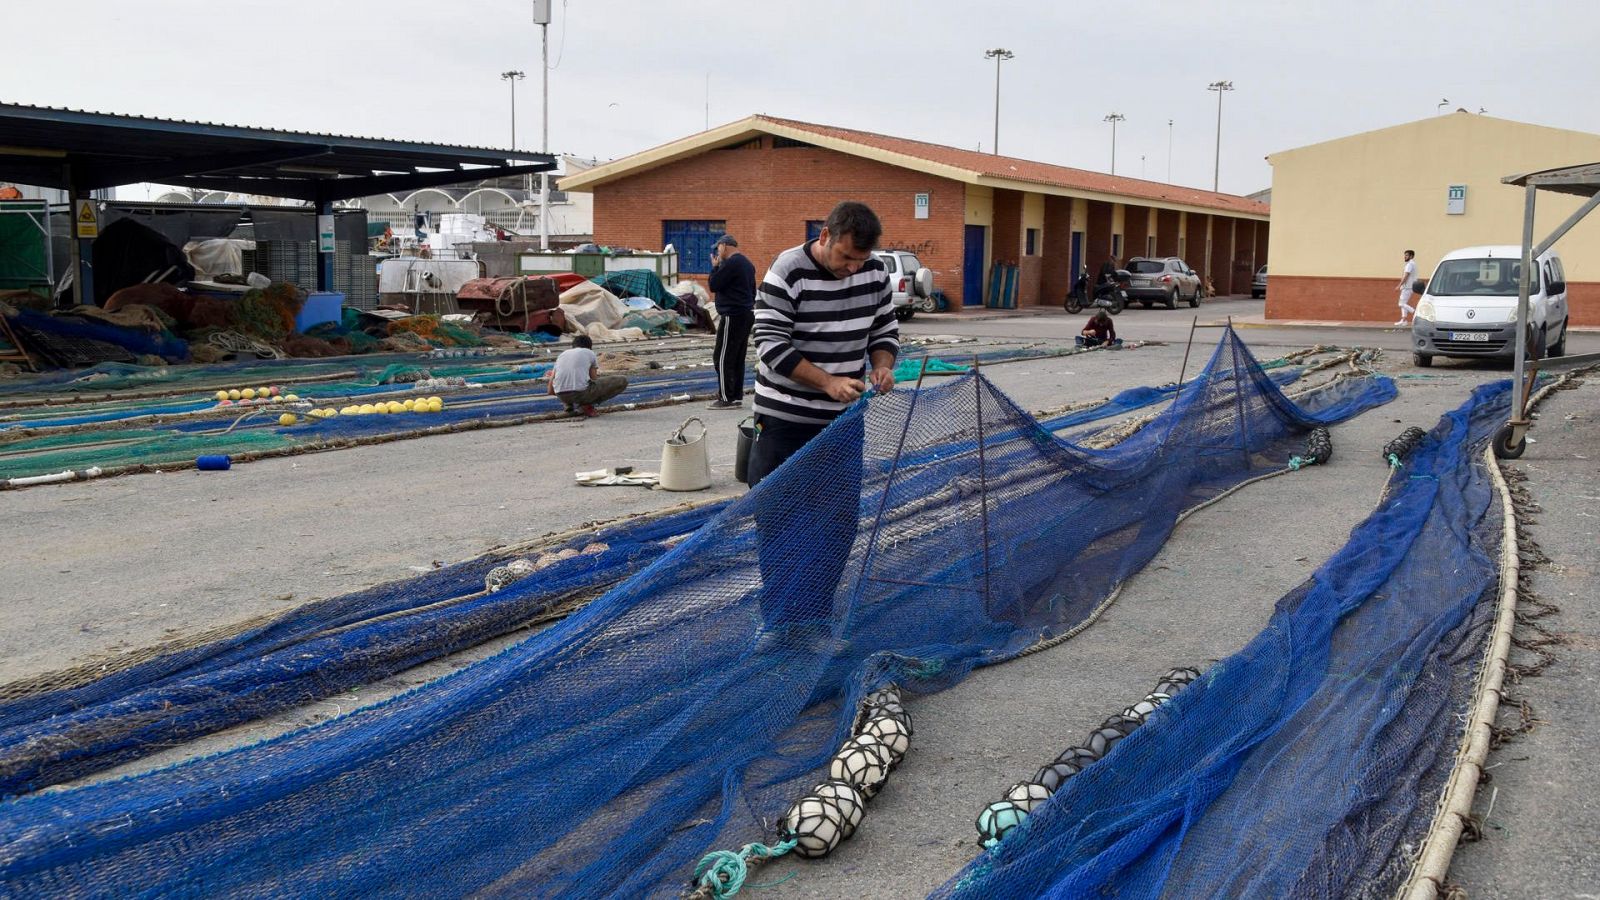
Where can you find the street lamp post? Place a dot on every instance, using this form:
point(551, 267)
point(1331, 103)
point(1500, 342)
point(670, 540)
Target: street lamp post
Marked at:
point(513, 76)
point(1216, 168)
point(999, 55)
point(1169, 151)
point(1114, 118)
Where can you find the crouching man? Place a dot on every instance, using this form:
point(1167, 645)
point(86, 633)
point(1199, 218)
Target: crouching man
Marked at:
point(576, 379)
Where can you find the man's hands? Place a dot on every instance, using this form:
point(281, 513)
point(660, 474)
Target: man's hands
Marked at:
point(844, 390)
point(882, 378)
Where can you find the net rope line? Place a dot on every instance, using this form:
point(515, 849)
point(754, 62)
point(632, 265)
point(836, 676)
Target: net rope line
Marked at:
point(1455, 804)
point(99, 666)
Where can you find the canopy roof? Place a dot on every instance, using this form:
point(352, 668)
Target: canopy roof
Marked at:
point(58, 148)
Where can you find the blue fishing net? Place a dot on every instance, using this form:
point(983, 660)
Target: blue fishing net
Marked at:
point(60, 732)
point(1308, 764)
point(922, 534)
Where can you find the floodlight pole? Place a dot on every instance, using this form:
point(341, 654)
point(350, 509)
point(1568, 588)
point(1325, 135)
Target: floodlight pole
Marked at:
point(513, 77)
point(1114, 118)
point(1169, 151)
point(999, 55)
point(1216, 169)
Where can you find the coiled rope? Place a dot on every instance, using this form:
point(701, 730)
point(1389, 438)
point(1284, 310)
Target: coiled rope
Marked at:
point(722, 873)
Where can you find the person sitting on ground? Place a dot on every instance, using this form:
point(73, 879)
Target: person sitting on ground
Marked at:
point(1099, 331)
point(576, 379)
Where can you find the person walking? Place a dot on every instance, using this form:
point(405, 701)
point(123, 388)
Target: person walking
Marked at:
point(733, 282)
point(1408, 277)
point(576, 379)
point(824, 330)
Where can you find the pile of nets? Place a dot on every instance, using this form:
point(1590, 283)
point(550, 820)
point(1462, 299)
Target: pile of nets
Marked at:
point(922, 534)
point(1307, 764)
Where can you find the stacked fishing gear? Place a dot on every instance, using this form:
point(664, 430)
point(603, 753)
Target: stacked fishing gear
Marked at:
point(1319, 449)
point(1001, 816)
point(821, 820)
point(1396, 451)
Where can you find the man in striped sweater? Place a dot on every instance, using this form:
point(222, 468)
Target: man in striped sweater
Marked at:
point(825, 327)
point(822, 314)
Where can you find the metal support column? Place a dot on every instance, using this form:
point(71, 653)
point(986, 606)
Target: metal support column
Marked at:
point(324, 255)
point(82, 249)
point(1519, 396)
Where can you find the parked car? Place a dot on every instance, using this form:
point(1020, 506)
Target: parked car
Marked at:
point(1258, 287)
point(1163, 279)
point(912, 282)
point(1469, 307)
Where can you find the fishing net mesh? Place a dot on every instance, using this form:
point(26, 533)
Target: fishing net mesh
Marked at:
point(922, 534)
point(1309, 764)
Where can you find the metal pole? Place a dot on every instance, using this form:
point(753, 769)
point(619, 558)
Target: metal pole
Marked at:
point(513, 112)
point(1519, 396)
point(544, 147)
point(1113, 146)
point(1216, 167)
point(74, 246)
point(1169, 151)
point(997, 59)
point(983, 478)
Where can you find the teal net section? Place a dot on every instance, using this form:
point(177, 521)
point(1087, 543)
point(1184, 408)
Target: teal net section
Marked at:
point(924, 533)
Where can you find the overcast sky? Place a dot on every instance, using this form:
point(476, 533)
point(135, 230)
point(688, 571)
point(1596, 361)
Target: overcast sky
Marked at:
point(630, 74)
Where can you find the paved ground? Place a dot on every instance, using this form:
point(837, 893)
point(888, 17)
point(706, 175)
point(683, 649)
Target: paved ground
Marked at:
point(107, 565)
point(1538, 808)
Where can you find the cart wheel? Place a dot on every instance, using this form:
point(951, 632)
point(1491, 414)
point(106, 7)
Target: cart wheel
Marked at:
point(1503, 447)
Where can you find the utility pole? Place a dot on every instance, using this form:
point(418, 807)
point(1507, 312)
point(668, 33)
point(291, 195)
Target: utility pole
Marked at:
point(1114, 118)
point(1169, 151)
point(999, 55)
point(1216, 168)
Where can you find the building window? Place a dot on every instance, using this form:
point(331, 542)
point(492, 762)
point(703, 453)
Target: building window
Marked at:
point(1116, 246)
point(693, 239)
point(813, 229)
point(1031, 242)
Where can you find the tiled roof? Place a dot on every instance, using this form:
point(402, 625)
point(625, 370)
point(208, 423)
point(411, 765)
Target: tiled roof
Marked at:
point(1007, 167)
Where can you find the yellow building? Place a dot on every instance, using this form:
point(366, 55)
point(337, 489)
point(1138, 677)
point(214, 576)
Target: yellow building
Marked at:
point(1344, 211)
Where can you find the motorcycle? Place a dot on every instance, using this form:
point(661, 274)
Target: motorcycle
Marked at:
point(1112, 296)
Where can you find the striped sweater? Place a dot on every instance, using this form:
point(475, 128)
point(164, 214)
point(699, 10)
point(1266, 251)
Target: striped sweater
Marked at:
point(804, 312)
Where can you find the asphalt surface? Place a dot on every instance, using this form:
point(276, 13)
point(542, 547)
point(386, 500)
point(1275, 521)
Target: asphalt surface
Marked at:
point(99, 567)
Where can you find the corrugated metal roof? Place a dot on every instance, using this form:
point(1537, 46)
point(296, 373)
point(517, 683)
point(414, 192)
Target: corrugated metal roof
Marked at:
point(44, 146)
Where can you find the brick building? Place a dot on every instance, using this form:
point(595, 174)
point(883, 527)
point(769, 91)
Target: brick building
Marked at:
point(770, 182)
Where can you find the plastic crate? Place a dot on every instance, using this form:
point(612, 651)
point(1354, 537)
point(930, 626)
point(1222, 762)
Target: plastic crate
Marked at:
point(320, 307)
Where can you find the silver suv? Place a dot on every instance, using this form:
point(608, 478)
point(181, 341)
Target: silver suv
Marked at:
point(911, 280)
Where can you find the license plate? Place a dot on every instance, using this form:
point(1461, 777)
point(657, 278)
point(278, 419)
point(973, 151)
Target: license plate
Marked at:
point(1469, 336)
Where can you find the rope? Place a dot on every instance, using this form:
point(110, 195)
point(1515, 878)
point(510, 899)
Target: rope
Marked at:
point(1453, 812)
point(234, 342)
point(722, 873)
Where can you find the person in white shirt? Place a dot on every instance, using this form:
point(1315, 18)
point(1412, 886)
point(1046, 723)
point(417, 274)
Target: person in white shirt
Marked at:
point(1407, 277)
point(576, 379)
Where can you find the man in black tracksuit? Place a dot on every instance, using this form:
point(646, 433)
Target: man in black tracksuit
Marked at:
point(733, 281)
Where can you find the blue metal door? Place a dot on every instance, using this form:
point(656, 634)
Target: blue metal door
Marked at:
point(693, 239)
point(1077, 256)
point(972, 266)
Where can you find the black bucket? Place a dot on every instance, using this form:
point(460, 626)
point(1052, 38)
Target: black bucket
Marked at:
point(741, 454)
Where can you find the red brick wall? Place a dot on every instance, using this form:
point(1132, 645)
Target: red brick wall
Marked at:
point(1135, 230)
point(1217, 265)
point(1097, 240)
point(1055, 277)
point(766, 196)
point(1007, 231)
point(1167, 232)
point(1194, 242)
point(1028, 276)
point(1244, 244)
point(1375, 299)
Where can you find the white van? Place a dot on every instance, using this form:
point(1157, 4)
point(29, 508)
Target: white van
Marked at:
point(1470, 305)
